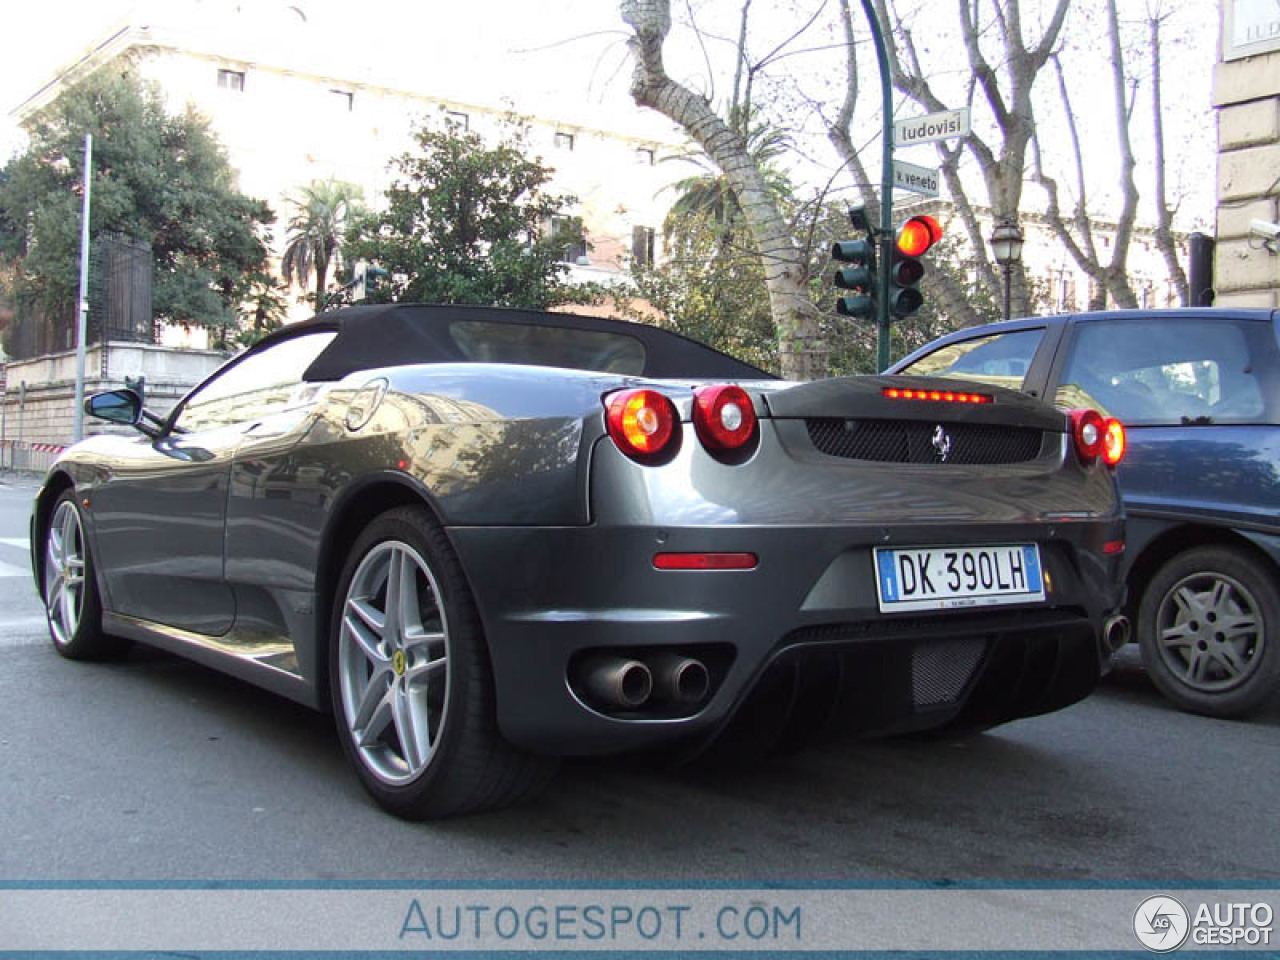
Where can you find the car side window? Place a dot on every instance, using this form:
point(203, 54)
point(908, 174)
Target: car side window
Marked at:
point(1162, 371)
point(259, 385)
point(1001, 359)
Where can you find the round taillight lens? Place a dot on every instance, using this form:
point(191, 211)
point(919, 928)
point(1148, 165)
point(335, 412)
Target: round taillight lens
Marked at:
point(641, 422)
point(1088, 428)
point(1113, 442)
point(724, 417)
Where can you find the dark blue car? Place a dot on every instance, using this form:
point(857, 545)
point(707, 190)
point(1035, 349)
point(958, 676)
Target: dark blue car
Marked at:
point(1199, 393)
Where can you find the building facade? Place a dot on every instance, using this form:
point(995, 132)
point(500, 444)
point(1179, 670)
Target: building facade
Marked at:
point(290, 111)
point(1246, 93)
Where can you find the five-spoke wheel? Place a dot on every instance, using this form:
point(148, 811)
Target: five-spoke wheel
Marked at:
point(410, 678)
point(71, 599)
point(64, 568)
point(393, 658)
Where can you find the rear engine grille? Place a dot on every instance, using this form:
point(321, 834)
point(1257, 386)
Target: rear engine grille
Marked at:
point(923, 441)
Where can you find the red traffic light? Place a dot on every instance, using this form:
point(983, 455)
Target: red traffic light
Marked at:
point(917, 235)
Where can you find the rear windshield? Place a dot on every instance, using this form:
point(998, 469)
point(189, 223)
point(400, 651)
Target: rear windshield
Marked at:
point(391, 335)
point(546, 346)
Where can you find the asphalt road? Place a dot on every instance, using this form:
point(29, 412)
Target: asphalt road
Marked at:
point(155, 769)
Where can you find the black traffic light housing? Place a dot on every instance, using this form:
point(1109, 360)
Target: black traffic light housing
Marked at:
point(860, 277)
point(915, 237)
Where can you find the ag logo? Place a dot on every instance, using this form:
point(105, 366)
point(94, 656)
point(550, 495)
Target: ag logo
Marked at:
point(1161, 923)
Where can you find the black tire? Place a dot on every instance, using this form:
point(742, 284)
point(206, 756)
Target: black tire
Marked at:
point(467, 766)
point(1209, 631)
point(69, 588)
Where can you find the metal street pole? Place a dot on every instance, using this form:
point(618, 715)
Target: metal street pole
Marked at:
point(886, 191)
point(82, 322)
point(1008, 283)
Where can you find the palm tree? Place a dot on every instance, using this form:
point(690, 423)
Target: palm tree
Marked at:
point(323, 209)
point(709, 195)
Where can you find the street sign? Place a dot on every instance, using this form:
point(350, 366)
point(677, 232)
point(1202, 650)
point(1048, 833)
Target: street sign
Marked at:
point(930, 127)
point(922, 180)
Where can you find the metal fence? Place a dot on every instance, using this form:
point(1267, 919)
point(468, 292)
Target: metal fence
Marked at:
point(120, 271)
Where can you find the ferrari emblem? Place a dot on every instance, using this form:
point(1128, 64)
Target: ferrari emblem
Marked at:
point(397, 663)
point(941, 443)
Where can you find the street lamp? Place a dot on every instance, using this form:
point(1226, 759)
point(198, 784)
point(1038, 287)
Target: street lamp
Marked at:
point(1006, 244)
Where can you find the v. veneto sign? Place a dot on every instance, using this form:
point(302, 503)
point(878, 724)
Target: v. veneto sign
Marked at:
point(930, 127)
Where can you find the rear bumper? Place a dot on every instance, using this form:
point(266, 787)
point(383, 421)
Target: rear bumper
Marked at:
point(807, 612)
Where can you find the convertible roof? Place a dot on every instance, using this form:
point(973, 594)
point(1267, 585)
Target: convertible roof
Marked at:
point(389, 335)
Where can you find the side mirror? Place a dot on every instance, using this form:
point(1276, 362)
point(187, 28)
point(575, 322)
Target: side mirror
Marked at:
point(116, 406)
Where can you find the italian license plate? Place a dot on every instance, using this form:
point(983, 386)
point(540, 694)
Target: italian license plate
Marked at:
point(946, 578)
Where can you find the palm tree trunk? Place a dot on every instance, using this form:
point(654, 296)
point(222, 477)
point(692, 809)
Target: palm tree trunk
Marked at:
point(322, 280)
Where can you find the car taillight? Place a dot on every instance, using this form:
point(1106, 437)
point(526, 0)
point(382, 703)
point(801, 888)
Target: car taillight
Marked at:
point(723, 417)
point(1089, 430)
point(1113, 442)
point(641, 422)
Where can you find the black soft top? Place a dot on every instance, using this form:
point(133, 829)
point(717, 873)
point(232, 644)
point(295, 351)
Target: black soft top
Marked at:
point(396, 334)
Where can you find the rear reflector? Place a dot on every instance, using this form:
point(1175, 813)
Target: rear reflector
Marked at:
point(938, 396)
point(1112, 547)
point(705, 561)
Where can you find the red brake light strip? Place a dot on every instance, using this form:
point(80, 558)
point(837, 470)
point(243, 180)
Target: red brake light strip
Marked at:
point(941, 396)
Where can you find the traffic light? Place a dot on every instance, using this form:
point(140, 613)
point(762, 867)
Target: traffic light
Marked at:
point(365, 279)
point(861, 276)
point(915, 237)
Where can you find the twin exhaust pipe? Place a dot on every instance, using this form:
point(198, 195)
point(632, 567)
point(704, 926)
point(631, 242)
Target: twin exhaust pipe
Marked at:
point(1116, 632)
point(628, 683)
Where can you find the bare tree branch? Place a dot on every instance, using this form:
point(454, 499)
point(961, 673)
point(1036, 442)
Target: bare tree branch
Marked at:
point(1164, 212)
point(802, 354)
point(1117, 279)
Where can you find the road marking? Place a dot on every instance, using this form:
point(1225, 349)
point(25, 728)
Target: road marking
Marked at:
point(13, 570)
point(22, 543)
point(33, 631)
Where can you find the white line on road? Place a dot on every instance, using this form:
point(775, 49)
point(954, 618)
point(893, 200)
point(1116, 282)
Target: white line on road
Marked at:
point(13, 570)
point(22, 543)
point(30, 632)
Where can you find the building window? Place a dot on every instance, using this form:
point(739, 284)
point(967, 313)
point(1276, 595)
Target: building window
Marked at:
point(458, 119)
point(568, 232)
point(644, 156)
point(346, 99)
point(564, 141)
point(231, 80)
point(642, 246)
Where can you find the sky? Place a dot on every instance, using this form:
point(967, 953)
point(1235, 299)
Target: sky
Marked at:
point(567, 59)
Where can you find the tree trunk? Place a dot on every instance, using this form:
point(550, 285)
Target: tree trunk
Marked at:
point(1164, 215)
point(802, 354)
point(322, 279)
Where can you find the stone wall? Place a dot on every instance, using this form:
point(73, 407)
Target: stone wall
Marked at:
point(1246, 93)
point(38, 419)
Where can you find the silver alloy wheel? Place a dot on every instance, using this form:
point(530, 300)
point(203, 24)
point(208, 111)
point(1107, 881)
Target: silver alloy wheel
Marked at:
point(64, 573)
point(1210, 632)
point(393, 667)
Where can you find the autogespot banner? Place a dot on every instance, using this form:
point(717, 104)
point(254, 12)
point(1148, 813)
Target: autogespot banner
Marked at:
point(833, 921)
